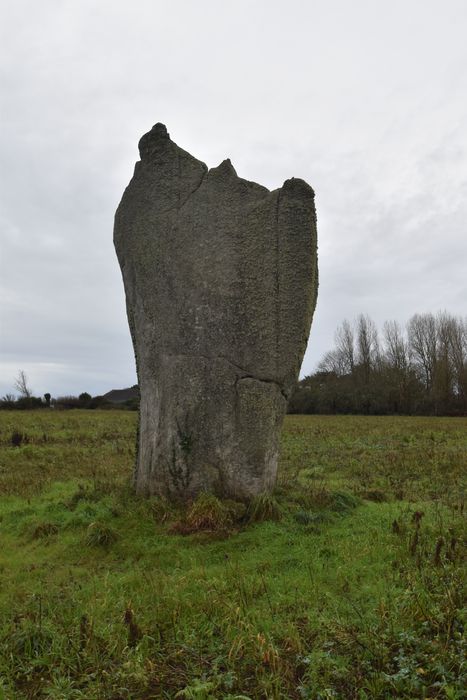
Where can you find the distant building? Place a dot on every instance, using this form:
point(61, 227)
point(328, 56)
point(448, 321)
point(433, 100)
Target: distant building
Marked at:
point(122, 395)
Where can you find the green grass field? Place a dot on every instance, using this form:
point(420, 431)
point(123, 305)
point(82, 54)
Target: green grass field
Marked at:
point(348, 584)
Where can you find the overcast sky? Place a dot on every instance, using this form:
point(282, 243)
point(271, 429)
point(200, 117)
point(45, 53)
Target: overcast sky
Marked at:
point(364, 99)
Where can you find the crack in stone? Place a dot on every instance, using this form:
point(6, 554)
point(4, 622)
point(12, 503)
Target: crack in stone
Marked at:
point(246, 374)
point(205, 174)
point(277, 275)
point(264, 381)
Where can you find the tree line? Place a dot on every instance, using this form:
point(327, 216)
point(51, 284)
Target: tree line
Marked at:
point(29, 402)
point(417, 369)
point(25, 399)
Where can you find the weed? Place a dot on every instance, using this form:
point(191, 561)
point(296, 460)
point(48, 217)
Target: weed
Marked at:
point(18, 438)
point(134, 631)
point(342, 502)
point(306, 517)
point(438, 549)
point(81, 494)
point(161, 509)
point(100, 535)
point(42, 530)
point(263, 507)
point(29, 641)
point(375, 495)
point(84, 632)
point(206, 514)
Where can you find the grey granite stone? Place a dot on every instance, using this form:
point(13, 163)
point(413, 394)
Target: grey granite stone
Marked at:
point(220, 276)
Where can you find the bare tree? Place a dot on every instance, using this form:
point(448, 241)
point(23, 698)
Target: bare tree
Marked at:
point(332, 362)
point(396, 350)
point(345, 343)
point(21, 385)
point(444, 373)
point(458, 355)
point(423, 341)
point(396, 363)
point(367, 345)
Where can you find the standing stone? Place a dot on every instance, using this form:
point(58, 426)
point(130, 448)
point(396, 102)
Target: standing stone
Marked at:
point(221, 280)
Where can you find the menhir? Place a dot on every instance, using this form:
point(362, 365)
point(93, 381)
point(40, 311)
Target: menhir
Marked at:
point(221, 280)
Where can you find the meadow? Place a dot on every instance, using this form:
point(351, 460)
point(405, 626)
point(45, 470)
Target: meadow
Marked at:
point(347, 583)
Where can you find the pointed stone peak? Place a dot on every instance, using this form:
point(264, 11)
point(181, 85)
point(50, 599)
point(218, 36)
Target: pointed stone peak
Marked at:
point(160, 130)
point(153, 139)
point(224, 168)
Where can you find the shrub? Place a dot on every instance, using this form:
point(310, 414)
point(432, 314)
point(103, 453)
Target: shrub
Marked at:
point(7, 402)
point(84, 399)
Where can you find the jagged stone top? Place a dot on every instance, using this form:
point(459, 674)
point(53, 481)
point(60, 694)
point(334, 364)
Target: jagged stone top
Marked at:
point(158, 139)
point(152, 145)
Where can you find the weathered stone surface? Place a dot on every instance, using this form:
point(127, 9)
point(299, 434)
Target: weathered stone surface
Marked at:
point(220, 277)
